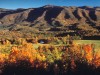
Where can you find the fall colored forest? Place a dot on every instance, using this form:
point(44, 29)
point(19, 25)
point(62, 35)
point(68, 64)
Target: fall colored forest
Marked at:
point(49, 56)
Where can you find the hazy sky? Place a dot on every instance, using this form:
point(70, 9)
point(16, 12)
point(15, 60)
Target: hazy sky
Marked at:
point(13, 4)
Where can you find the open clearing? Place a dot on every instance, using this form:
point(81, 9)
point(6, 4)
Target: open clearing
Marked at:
point(96, 42)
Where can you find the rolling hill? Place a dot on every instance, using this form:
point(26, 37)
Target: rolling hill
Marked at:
point(83, 21)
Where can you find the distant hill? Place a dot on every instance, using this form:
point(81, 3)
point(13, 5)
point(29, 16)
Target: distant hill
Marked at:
point(54, 18)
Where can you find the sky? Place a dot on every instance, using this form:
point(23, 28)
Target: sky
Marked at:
point(14, 4)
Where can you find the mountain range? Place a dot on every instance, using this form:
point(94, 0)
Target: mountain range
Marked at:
point(54, 18)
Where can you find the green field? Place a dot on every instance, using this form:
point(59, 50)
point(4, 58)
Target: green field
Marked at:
point(96, 42)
